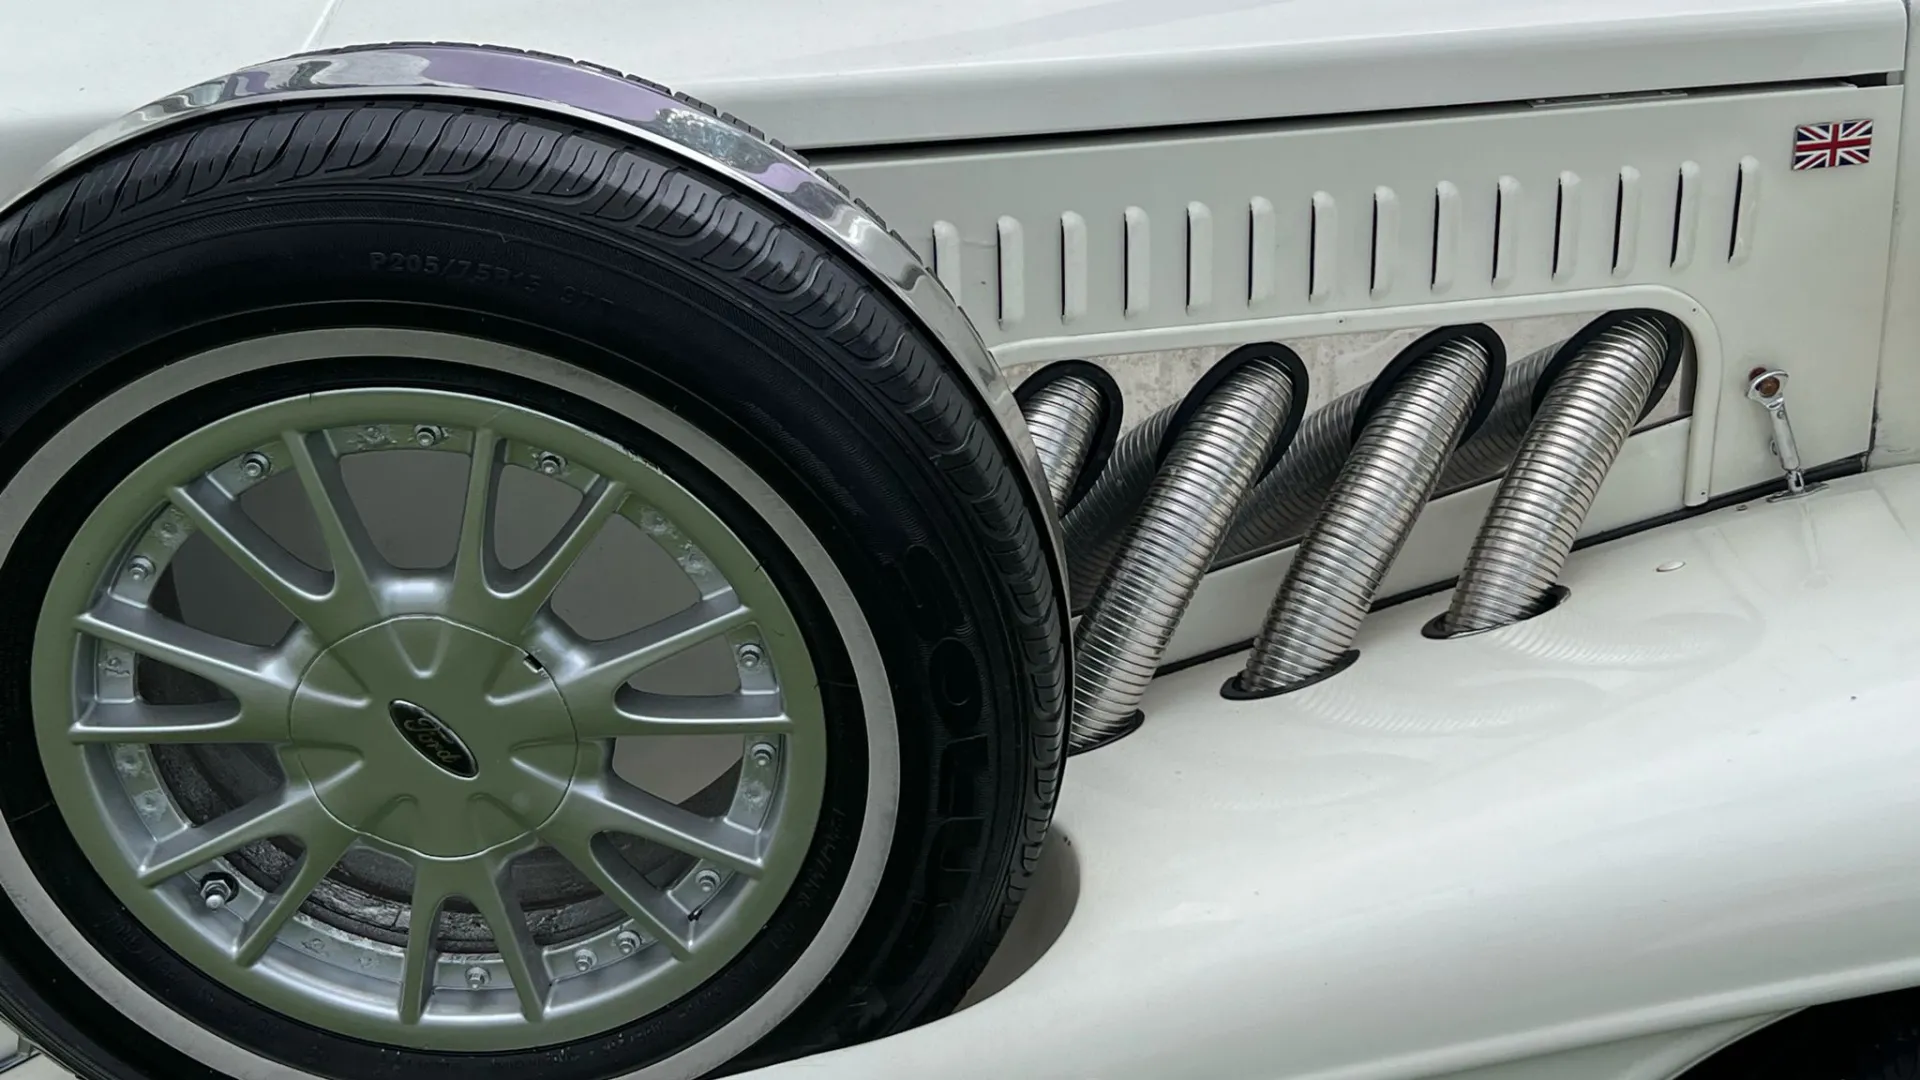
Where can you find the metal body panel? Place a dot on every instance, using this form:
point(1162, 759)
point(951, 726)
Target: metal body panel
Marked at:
point(1659, 1056)
point(865, 72)
point(1681, 799)
point(1897, 406)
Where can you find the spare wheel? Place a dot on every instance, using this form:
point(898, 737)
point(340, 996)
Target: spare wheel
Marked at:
point(490, 596)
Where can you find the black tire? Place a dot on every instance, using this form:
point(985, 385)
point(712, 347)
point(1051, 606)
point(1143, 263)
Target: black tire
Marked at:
point(693, 292)
point(1872, 1038)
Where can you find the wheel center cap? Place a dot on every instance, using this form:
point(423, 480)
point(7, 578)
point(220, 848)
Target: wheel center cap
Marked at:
point(435, 740)
point(433, 736)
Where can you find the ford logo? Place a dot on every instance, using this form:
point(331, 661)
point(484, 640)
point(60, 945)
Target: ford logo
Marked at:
point(433, 739)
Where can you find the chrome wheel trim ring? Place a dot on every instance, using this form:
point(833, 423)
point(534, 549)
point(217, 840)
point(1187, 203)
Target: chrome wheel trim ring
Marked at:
point(51, 462)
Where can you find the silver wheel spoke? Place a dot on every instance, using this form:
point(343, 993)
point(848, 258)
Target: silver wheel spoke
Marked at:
point(613, 805)
point(143, 722)
point(503, 600)
point(483, 881)
point(597, 670)
point(475, 564)
point(529, 588)
point(357, 566)
point(308, 594)
point(256, 677)
point(639, 713)
point(658, 917)
point(324, 849)
point(492, 893)
point(422, 956)
point(278, 813)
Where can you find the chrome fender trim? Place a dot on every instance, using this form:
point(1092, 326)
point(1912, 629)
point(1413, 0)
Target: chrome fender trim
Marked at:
point(622, 105)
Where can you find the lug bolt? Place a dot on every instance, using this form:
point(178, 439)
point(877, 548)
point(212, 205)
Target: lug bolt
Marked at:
point(707, 880)
point(256, 466)
point(140, 569)
point(627, 942)
point(216, 890)
point(751, 655)
point(551, 464)
point(583, 959)
point(762, 754)
point(476, 977)
point(428, 435)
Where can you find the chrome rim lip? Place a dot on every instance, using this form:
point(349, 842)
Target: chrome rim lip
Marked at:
point(849, 907)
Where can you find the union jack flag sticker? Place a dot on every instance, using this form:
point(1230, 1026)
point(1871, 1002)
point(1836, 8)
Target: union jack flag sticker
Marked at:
point(1828, 146)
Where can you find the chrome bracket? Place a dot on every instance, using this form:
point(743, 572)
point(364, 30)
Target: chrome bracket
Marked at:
point(1768, 388)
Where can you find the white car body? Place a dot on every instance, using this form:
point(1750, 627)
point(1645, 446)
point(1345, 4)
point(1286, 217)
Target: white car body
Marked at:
point(1598, 845)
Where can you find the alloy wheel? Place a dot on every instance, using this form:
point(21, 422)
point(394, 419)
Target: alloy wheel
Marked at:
point(428, 840)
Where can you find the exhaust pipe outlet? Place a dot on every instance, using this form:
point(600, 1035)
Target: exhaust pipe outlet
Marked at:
point(1283, 505)
point(1227, 433)
point(1073, 410)
point(1603, 381)
point(1434, 394)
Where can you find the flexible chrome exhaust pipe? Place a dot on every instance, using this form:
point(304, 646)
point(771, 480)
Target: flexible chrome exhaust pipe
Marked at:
point(1432, 395)
point(1073, 410)
point(1489, 450)
point(1098, 522)
point(1229, 431)
point(1283, 505)
point(1602, 384)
